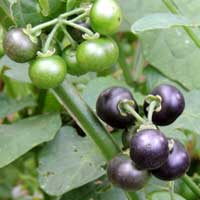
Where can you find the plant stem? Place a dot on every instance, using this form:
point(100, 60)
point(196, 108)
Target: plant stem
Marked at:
point(191, 184)
point(151, 110)
point(50, 38)
point(171, 190)
point(79, 17)
point(71, 40)
point(125, 67)
point(170, 5)
point(130, 110)
point(138, 63)
point(54, 21)
point(86, 119)
point(72, 12)
point(76, 26)
point(41, 101)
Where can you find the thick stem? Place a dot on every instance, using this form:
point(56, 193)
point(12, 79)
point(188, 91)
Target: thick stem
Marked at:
point(50, 38)
point(86, 119)
point(170, 5)
point(130, 110)
point(76, 26)
point(151, 110)
point(191, 184)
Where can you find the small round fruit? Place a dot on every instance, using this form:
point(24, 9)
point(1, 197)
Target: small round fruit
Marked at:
point(107, 107)
point(19, 47)
point(122, 172)
point(47, 72)
point(149, 149)
point(97, 55)
point(69, 55)
point(105, 16)
point(177, 164)
point(172, 105)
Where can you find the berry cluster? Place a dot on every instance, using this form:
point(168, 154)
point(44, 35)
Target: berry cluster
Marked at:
point(150, 151)
point(97, 53)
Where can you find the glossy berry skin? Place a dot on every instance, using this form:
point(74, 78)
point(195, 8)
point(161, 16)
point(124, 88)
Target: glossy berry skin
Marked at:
point(47, 72)
point(105, 16)
point(69, 55)
point(122, 172)
point(19, 47)
point(177, 164)
point(149, 149)
point(172, 104)
point(97, 55)
point(107, 107)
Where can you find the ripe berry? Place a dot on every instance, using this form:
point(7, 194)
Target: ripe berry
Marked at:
point(172, 105)
point(149, 149)
point(107, 107)
point(122, 172)
point(177, 164)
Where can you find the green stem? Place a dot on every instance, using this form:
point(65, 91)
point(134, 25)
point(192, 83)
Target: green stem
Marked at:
point(72, 12)
point(54, 21)
point(171, 190)
point(71, 40)
point(191, 184)
point(138, 64)
point(170, 5)
point(76, 26)
point(50, 38)
point(79, 17)
point(41, 101)
point(125, 67)
point(44, 25)
point(151, 110)
point(129, 109)
point(86, 119)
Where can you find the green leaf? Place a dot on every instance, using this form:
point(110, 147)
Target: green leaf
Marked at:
point(163, 196)
point(190, 118)
point(161, 21)
point(154, 78)
point(44, 5)
point(133, 10)
point(96, 86)
point(171, 51)
point(94, 191)
point(71, 4)
point(16, 71)
point(31, 12)
point(9, 106)
point(18, 138)
point(68, 162)
point(5, 15)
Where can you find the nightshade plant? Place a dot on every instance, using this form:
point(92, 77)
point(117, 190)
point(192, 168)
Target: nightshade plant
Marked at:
point(99, 100)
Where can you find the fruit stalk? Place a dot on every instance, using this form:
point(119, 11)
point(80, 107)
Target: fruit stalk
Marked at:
point(130, 110)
